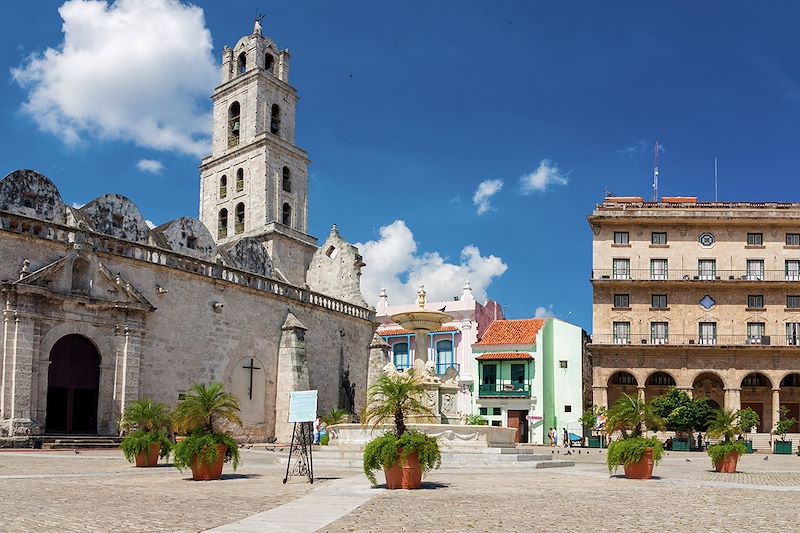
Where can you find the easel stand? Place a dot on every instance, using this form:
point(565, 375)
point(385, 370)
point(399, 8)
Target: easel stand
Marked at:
point(300, 461)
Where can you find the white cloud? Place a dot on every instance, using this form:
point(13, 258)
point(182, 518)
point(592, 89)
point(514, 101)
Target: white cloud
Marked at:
point(150, 165)
point(76, 205)
point(483, 195)
point(639, 147)
point(133, 70)
point(150, 224)
point(544, 312)
point(545, 176)
point(393, 262)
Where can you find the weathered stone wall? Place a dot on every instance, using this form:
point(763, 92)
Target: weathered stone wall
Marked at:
point(202, 329)
point(29, 193)
point(336, 270)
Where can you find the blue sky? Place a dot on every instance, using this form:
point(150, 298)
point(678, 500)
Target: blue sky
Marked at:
point(406, 108)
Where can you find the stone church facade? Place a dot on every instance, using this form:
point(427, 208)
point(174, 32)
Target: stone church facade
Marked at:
point(100, 309)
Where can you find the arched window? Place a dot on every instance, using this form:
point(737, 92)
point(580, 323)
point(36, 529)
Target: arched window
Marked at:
point(223, 186)
point(287, 179)
point(241, 63)
point(275, 119)
point(287, 215)
point(234, 124)
point(222, 224)
point(445, 358)
point(239, 222)
point(239, 180)
point(268, 62)
point(81, 276)
point(400, 356)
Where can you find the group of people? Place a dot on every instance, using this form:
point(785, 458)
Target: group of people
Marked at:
point(552, 434)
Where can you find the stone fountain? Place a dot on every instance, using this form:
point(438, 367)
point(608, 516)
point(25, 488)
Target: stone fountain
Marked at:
point(439, 394)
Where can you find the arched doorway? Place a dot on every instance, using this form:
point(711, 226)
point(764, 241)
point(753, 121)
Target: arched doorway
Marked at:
point(621, 383)
point(657, 384)
point(710, 386)
point(790, 398)
point(756, 394)
point(73, 380)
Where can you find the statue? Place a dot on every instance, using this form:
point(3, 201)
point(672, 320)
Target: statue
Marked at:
point(349, 393)
point(257, 25)
point(389, 369)
point(450, 375)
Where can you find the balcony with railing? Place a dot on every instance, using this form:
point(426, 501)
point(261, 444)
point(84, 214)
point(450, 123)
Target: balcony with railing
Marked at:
point(504, 389)
point(697, 340)
point(695, 275)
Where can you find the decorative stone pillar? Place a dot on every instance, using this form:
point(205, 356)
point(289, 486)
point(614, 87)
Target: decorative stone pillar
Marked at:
point(378, 359)
point(448, 392)
point(776, 407)
point(19, 375)
point(126, 373)
point(733, 399)
point(430, 399)
point(641, 393)
point(292, 373)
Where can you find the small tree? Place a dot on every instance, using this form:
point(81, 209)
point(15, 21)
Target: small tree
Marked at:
point(682, 413)
point(784, 424)
point(748, 419)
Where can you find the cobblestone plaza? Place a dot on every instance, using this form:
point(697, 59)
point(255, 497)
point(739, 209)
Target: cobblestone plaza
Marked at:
point(99, 491)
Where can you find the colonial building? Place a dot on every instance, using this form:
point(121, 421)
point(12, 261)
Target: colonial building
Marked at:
point(100, 309)
point(704, 297)
point(450, 347)
point(532, 374)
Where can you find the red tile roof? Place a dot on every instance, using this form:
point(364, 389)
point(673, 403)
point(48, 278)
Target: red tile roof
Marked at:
point(400, 331)
point(503, 356)
point(503, 332)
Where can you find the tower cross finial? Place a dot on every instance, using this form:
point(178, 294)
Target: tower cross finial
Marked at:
point(257, 25)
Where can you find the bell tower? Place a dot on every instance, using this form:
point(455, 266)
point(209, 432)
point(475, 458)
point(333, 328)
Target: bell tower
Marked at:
point(255, 182)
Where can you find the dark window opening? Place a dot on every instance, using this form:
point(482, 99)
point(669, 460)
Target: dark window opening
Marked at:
point(234, 124)
point(239, 221)
point(268, 62)
point(223, 186)
point(239, 180)
point(567, 408)
point(287, 179)
point(496, 411)
point(484, 411)
point(241, 63)
point(191, 242)
point(117, 221)
point(287, 215)
point(222, 224)
point(275, 119)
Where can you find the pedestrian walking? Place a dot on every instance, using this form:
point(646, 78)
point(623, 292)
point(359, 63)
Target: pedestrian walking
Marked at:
point(566, 438)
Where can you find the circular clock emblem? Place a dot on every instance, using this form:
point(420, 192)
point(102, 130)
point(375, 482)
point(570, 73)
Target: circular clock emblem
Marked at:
point(706, 239)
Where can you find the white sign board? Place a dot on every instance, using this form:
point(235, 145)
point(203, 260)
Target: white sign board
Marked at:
point(303, 406)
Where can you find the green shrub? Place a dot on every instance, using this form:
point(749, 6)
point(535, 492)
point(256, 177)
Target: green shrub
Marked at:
point(337, 416)
point(476, 420)
point(631, 450)
point(203, 445)
point(717, 452)
point(140, 442)
point(324, 439)
point(384, 451)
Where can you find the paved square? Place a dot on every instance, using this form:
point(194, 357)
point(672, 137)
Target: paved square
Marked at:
point(99, 491)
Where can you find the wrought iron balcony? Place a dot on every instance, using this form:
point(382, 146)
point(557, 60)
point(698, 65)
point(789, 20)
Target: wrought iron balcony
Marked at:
point(698, 340)
point(504, 390)
point(695, 275)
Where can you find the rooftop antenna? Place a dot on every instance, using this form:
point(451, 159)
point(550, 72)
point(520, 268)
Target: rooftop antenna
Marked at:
point(655, 173)
point(716, 196)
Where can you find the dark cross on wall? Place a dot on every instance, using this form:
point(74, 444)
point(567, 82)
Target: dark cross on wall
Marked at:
point(251, 367)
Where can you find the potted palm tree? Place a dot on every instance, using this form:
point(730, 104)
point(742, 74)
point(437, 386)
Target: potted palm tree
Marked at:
point(145, 425)
point(588, 422)
point(404, 454)
point(200, 415)
point(630, 416)
point(725, 454)
point(782, 428)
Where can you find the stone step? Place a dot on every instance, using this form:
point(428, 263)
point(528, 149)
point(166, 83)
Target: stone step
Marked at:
point(80, 445)
point(357, 464)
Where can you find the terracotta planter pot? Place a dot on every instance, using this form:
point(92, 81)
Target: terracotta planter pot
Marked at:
point(728, 464)
point(207, 472)
point(404, 474)
point(643, 469)
point(149, 459)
